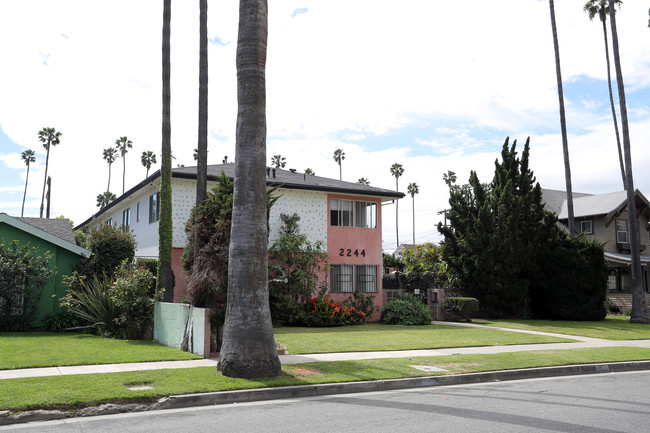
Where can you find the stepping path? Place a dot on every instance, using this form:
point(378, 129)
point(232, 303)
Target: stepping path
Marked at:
point(578, 343)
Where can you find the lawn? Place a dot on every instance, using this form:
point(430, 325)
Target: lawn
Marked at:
point(377, 337)
point(612, 328)
point(42, 349)
point(69, 392)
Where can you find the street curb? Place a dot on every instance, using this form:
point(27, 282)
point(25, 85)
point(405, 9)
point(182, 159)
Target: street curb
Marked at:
point(288, 392)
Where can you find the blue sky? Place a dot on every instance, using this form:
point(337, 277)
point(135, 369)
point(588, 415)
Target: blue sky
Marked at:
point(432, 85)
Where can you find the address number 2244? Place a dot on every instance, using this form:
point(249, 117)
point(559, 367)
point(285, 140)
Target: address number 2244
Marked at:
point(349, 253)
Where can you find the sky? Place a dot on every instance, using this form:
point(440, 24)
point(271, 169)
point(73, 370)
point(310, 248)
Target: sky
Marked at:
point(433, 85)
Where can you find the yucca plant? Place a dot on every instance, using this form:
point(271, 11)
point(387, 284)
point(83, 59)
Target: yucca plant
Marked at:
point(94, 304)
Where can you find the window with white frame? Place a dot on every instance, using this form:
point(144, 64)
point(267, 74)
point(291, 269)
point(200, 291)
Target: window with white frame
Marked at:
point(586, 227)
point(154, 207)
point(109, 222)
point(366, 214)
point(341, 278)
point(366, 278)
point(126, 217)
point(621, 232)
point(341, 212)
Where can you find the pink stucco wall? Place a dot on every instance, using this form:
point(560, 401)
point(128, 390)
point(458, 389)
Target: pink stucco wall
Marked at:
point(180, 286)
point(343, 242)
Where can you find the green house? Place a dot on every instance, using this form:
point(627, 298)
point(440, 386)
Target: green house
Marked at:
point(53, 235)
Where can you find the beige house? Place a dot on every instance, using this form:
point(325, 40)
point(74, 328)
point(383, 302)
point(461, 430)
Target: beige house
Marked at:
point(605, 217)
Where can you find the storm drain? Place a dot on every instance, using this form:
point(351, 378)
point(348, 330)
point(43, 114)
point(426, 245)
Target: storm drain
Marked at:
point(427, 368)
point(139, 386)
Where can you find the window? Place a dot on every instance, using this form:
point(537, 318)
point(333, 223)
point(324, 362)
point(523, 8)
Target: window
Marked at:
point(366, 214)
point(621, 232)
point(154, 207)
point(341, 278)
point(341, 213)
point(137, 212)
point(126, 217)
point(109, 222)
point(586, 227)
point(366, 278)
point(348, 278)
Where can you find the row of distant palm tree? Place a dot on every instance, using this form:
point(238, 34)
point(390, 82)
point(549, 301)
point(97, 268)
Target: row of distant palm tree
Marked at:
point(49, 137)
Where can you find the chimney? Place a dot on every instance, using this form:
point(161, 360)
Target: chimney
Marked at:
point(273, 173)
point(268, 172)
point(292, 170)
point(225, 159)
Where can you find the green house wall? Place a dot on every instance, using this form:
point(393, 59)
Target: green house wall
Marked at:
point(63, 261)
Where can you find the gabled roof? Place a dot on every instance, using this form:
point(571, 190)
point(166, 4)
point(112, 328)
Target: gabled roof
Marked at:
point(48, 230)
point(289, 179)
point(585, 205)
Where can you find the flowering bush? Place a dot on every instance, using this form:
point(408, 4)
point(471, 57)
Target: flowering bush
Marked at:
point(324, 311)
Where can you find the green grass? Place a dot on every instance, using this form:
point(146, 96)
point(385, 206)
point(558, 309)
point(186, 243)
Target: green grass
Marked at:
point(42, 349)
point(612, 328)
point(376, 337)
point(69, 392)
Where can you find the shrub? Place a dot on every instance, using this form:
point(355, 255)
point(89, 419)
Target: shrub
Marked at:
point(323, 311)
point(111, 245)
point(362, 302)
point(23, 274)
point(463, 307)
point(93, 304)
point(60, 322)
point(406, 310)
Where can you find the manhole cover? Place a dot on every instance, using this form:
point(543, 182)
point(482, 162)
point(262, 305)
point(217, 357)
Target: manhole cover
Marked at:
point(427, 368)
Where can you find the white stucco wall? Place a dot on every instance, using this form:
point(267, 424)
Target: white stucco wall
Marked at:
point(312, 208)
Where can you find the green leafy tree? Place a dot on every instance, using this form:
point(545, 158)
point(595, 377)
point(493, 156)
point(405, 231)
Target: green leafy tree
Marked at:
point(565, 140)
point(339, 156)
point(424, 263)
point(109, 156)
point(165, 278)
point(600, 8)
point(397, 171)
point(148, 159)
point(24, 271)
point(639, 307)
point(413, 189)
point(123, 144)
point(296, 265)
point(49, 137)
point(248, 348)
point(110, 245)
point(28, 156)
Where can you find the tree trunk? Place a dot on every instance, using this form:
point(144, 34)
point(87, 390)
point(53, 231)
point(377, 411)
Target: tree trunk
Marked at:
point(47, 163)
point(165, 274)
point(565, 141)
point(397, 215)
point(611, 101)
point(248, 348)
point(202, 156)
point(25, 194)
point(639, 307)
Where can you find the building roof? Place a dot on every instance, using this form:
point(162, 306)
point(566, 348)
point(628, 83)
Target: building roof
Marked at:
point(289, 179)
point(585, 205)
point(55, 231)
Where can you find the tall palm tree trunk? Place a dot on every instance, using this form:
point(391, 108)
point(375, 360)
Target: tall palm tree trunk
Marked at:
point(22, 211)
point(108, 187)
point(639, 307)
point(47, 163)
point(397, 215)
point(165, 274)
point(611, 101)
point(248, 348)
point(202, 148)
point(565, 141)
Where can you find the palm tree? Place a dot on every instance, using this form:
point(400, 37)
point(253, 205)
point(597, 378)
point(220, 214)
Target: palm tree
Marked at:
point(148, 159)
point(49, 137)
point(104, 199)
point(123, 144)
point(339, 156)
point(202, 149)
point(310, 172)
point(109, 156)
point(278, 161)
point(413, 189)
point(639, 307)
point(248, 348)
point(397, 170)
point(28, 156)
point(363, 181)
point(449, 178)
point(565, 141)
point(599, 7)
point(165, 278)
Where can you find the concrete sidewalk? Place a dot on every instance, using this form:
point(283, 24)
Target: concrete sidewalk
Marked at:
point(579, 342)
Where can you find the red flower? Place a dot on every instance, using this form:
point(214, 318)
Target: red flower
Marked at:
point(337, 309)
point(362, 313)
point(331, 304)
